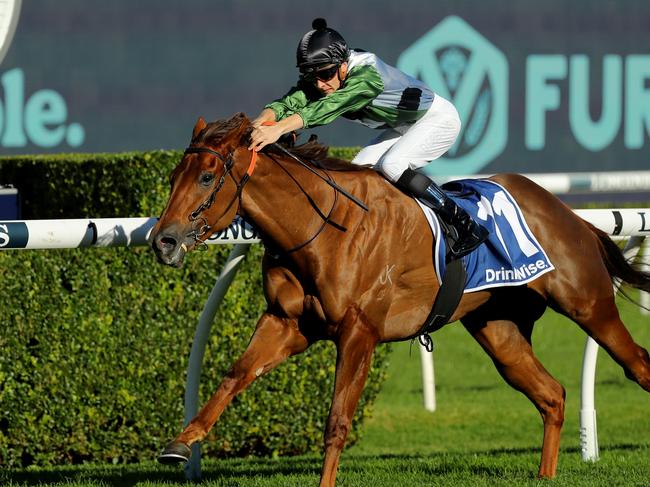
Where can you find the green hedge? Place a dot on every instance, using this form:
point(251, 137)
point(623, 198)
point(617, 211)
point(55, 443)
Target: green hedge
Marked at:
point(95, 342)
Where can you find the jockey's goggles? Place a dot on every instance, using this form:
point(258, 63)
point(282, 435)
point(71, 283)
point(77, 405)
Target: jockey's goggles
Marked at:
point(324, 74)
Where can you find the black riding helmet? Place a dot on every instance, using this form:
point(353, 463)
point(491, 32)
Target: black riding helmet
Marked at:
point(320, 47)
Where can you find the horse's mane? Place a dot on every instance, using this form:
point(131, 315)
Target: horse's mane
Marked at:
point(310, 151)
point(215, 132)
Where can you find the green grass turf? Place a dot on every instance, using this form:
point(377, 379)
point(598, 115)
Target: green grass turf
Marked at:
point(482, 433)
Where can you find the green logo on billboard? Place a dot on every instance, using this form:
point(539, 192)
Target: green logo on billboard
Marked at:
point(464, 67)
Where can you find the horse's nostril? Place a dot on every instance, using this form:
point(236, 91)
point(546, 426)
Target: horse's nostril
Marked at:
point(167, 243)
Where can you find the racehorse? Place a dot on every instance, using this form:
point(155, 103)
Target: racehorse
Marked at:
point(325, 275)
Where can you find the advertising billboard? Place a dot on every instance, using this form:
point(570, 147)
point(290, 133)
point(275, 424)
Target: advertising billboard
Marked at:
point(550, 86)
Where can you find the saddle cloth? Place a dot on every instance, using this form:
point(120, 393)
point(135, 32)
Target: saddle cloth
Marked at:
point(511, 256)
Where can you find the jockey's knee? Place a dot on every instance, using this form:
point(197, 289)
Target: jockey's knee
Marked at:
point(449, 122)
point(392, 169)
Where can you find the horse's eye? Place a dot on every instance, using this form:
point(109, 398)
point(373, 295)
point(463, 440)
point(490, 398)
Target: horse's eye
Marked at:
point(206, 179)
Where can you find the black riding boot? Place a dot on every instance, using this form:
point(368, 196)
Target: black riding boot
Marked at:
point(469, 234)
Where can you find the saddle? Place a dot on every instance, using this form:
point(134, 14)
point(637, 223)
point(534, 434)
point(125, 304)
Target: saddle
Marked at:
point(511, 256)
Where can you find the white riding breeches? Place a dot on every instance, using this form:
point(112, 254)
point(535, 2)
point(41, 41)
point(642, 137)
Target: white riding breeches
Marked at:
point(427, 139)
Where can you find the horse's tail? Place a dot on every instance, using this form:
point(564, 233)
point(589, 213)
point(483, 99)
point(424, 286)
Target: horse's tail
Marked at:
point(616, 263)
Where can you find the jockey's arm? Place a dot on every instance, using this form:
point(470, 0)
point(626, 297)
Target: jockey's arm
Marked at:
point(267, 115)
point(264, 135)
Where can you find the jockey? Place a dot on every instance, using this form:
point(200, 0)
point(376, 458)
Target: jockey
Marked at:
point(418, 125)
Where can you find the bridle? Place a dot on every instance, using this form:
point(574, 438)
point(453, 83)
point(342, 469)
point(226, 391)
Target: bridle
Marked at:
point(229, 163)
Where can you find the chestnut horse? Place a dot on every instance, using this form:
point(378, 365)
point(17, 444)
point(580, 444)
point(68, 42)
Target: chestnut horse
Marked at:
point(325, 276)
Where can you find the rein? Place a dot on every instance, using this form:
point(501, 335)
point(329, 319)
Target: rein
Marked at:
point(325, 218)
point(329, 181)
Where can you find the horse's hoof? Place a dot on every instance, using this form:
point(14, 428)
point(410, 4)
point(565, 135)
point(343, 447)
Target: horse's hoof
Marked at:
point(175, 452)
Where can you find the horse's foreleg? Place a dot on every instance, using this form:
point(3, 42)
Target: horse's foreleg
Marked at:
point(274, 340)
point(514, 359)
point(355, 346)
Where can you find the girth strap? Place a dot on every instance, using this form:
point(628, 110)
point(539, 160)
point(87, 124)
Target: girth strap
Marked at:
point(447, 299)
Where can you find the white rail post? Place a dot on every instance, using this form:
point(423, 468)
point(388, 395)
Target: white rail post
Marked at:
point(588, 431)
point(428, 379)
point(193, 467)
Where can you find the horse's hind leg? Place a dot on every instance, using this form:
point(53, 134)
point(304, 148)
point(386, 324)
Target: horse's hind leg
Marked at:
point(580, 287)
point(600, 320)
point(274, 340)
point(513, 356)
point(584, 293)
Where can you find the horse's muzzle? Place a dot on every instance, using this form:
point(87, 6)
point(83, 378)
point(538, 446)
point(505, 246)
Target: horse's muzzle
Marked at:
point(169, 247)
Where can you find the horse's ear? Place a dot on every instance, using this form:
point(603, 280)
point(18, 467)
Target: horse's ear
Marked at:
point(200, 125)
